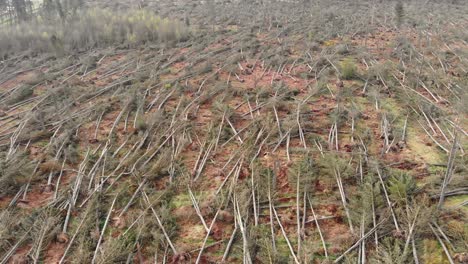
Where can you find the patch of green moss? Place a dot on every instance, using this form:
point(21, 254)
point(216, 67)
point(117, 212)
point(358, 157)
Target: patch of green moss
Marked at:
point(456, 201)
point(282, 248)
point(432, 252)
point(391, 106)
point(418, 147)
point(183, 199)
point(42, 143)
point(436, 170)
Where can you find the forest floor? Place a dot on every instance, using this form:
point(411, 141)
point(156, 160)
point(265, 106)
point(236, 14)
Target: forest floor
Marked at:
point(222, 141)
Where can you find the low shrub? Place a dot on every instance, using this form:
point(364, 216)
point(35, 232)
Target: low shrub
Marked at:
point(22, 93)
point(348, 69)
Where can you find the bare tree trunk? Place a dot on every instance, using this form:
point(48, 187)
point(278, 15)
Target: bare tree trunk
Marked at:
point(449, 172)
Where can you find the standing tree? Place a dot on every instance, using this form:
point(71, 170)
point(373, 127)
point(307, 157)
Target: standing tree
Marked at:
point(62, 8)
point(22, 9)
point(399, 13)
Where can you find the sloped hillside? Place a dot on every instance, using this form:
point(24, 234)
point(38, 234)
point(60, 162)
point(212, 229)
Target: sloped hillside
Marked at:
point(236, 132)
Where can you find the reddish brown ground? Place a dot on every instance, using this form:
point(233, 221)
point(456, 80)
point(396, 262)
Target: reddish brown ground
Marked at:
point(251, 75)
